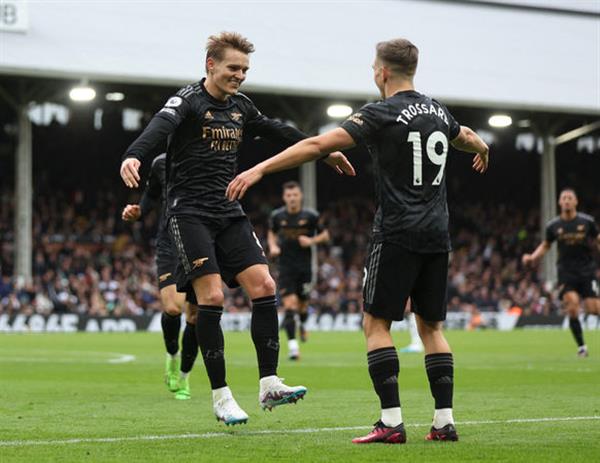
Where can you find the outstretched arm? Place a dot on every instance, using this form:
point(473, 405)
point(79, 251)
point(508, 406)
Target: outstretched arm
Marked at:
point(467, 140)
point(160, 127)
point(540, 251)
point(304, 151)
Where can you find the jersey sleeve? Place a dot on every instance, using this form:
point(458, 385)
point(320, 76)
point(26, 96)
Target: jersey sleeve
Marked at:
point(318, 224)
point(593, 229)
point(273, 222)
point(453, 125)
point(153, 190)
point(366, 122)
point(277, 132)
point(550, 233)
point(164, 123)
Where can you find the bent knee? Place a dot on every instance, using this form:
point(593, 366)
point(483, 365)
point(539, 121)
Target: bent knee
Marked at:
point(265, 287)
point(172, 309)
point(213, 297)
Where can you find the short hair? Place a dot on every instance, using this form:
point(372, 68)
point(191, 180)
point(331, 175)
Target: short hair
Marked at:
point(291, 184)
point(217, 44)
point(569, 189)
point(401, 55)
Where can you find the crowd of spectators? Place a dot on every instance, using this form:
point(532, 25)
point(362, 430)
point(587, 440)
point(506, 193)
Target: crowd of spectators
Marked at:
point(86, 260)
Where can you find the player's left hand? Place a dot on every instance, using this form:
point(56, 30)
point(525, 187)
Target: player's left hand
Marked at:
point(338, 162)
point(480, 162)
point(239, 185)
point(131, 213)
point(305, 241)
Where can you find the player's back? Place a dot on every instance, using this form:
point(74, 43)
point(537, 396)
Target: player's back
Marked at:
point(408, 136)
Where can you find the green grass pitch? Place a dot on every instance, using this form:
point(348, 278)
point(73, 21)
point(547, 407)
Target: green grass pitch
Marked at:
point(519, 396)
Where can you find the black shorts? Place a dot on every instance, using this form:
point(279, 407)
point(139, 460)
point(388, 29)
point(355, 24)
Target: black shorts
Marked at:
point(393, 274)
point(295, 281)
point(584, 285)
point(208, 245)
point(166, 259)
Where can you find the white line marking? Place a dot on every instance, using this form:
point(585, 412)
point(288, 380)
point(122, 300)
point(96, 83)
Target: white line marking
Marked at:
point(208, 435)
point(116, 358)
point(123, 358)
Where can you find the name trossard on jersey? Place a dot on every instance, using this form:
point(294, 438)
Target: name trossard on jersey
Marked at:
point(288, 227)
point(205, 136)
point(572, 238)
point(408, 137)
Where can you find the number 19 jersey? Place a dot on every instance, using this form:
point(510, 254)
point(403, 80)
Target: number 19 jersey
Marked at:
point(408, 137)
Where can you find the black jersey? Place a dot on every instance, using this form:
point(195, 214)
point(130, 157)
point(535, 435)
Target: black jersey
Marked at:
point(408, 137)
point(205, 136)
point(288, 227)
point(156, 191)
point(572, 237)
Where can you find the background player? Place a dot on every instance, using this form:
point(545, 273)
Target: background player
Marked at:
point(293, 230)
point(177, 369)
point(407, 135)
point(572, 231)
point(214, 238)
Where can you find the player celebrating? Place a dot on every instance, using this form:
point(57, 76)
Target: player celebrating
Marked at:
point(576, 269)
point(177, 370)
point(407, 135)
point(292, 232)
point(214, 239)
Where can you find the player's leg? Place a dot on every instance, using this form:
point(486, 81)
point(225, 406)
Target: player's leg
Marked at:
point(304, 289)
point(170, 321)
point(429, 306)
point(198, 275)
point(290, 304)
point(384, 300)
point(189, 351)
point(571, 304)
point(302, 318)
point(244, 263)
point(260, 288)
point(415, 346)
point(209, 334)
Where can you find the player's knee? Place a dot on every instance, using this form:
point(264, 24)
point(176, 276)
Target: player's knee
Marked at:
point(374, 326)
point(265, 287)
point(171, 308)
point(213, 297)
point(428, 329)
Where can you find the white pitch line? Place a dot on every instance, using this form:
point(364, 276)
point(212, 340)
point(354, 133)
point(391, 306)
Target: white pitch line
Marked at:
point(116, 358)
point(208, 435)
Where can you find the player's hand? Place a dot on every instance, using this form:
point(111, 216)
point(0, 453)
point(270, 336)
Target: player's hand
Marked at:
point(131, 213)
point(480, 161)
point(338, 162)
point(129, 172)
point(305, 241)
point(274, 251)
point(527, 260)
point(239, 185)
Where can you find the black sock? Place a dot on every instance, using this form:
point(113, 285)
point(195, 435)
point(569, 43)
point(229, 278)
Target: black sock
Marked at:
point(384, 368)
point(265, 334)
point(440, 371)
point(171, 324)
point(212, 344)
point(576, 329)
point(289, 323)
point(189, 348)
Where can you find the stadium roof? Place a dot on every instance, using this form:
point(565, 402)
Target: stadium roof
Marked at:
point(471, 54)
